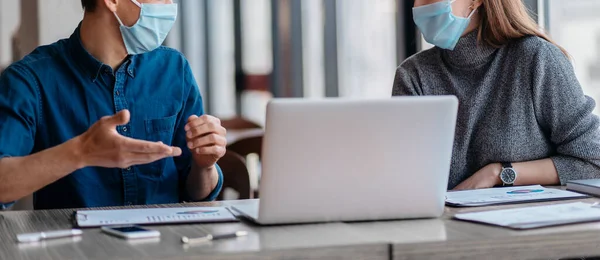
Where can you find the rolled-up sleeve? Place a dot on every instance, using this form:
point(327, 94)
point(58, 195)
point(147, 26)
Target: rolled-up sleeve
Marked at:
point(215, 192)
point(19, 107)
point(567, 116)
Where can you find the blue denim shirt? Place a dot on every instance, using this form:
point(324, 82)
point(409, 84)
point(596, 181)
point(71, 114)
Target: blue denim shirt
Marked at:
point(58, 91)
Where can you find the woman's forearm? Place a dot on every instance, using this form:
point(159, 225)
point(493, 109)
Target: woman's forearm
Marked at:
point(541, 172)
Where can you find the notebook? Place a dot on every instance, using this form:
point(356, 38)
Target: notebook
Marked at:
point(536, 217)
point(152, 216)
point(591, 187)
point(508, 195)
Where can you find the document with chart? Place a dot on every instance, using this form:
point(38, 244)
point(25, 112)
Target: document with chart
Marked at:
point(508, 195)
point(97, 218)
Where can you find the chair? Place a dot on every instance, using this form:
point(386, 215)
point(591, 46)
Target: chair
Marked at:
point(238, 123)
point(250, 144)
point(246, 146)
point(244, 137)
point(235, 174)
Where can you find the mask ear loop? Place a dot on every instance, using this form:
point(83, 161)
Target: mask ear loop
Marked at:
point(137, 3)
point(118, 19)
point(472, 12)
point(134, 2)
point(450, 3)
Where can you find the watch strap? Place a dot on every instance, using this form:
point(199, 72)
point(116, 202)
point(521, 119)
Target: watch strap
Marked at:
point(507, 165)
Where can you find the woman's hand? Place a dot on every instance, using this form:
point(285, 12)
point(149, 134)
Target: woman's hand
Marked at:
point(487, 177)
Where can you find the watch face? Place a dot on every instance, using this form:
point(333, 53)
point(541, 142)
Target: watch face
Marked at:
point(508, 176)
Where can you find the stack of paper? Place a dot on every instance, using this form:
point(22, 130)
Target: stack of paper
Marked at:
point(536, 217)
point(510, 195)
point(97, 218)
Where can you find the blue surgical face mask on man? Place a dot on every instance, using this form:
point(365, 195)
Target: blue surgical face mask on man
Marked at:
point(151, 29)
point(439, 25)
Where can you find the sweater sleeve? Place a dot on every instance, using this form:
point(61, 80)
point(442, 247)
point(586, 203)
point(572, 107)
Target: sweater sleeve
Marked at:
point(404, 83)
point(565, 114)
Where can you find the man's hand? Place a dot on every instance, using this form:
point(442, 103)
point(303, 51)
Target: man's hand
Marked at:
point(487, 177)
point(206, 139)
point(103, 146)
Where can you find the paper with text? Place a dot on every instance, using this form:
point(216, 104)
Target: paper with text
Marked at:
point(535, 217)
point(96, 218)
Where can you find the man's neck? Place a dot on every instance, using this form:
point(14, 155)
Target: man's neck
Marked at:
point(102, 38)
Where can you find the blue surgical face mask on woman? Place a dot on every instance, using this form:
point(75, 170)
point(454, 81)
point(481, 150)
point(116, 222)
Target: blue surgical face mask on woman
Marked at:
point(152, 28)
point(439, 25)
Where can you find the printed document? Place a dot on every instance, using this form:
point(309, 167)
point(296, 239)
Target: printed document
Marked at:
point(536, 217)
point(97, 218)
point(508, 195)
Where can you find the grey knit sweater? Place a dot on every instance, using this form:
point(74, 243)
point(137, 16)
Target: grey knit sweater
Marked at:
point(518, 103)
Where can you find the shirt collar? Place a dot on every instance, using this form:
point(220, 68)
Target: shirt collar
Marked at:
point(88, 63)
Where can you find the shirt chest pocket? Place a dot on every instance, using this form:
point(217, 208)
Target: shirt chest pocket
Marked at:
point(158, 130)
point(161, 126)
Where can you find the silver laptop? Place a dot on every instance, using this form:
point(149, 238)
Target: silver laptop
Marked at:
point(354, 160)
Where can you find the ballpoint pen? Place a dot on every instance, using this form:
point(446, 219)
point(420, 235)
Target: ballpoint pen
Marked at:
point(208, 238)
point(35, 237)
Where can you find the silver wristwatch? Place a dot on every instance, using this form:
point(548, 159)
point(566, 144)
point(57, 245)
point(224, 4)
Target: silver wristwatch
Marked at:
point(508, 175)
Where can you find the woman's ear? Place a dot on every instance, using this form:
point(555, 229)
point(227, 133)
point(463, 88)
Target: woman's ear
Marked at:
point(476, 4)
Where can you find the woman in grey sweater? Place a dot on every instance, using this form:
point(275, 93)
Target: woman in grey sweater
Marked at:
point(523, 118)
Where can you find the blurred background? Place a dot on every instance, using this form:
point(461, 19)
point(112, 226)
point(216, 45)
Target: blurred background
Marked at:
point(245, 52)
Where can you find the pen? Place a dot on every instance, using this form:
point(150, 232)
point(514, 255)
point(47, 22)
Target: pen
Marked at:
point(35, 237)
point(208, 238)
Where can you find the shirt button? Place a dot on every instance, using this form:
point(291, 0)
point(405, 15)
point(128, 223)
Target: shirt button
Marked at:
point(128, 168)
point(124, 129)
point(107, 70)
point(117, 93)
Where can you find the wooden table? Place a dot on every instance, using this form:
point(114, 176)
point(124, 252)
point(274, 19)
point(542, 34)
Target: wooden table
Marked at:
point(413, 239)
point(476, 241)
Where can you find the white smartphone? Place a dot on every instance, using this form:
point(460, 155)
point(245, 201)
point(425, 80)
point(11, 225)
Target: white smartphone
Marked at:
point(131, 232)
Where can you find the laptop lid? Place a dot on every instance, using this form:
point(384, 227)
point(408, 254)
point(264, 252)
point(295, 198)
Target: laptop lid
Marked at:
point(353, 160)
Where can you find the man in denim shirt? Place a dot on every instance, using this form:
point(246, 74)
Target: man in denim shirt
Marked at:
point(108, 117)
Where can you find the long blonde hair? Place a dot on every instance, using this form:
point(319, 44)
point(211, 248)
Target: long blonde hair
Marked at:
point(504, 20)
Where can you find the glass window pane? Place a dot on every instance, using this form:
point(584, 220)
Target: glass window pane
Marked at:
point(222, 63)
point(366, 47)
point(575, 25)
point(313, 48)
point(257, 47)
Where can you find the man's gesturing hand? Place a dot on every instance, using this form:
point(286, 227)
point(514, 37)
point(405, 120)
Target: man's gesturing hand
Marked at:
point(103, 146)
